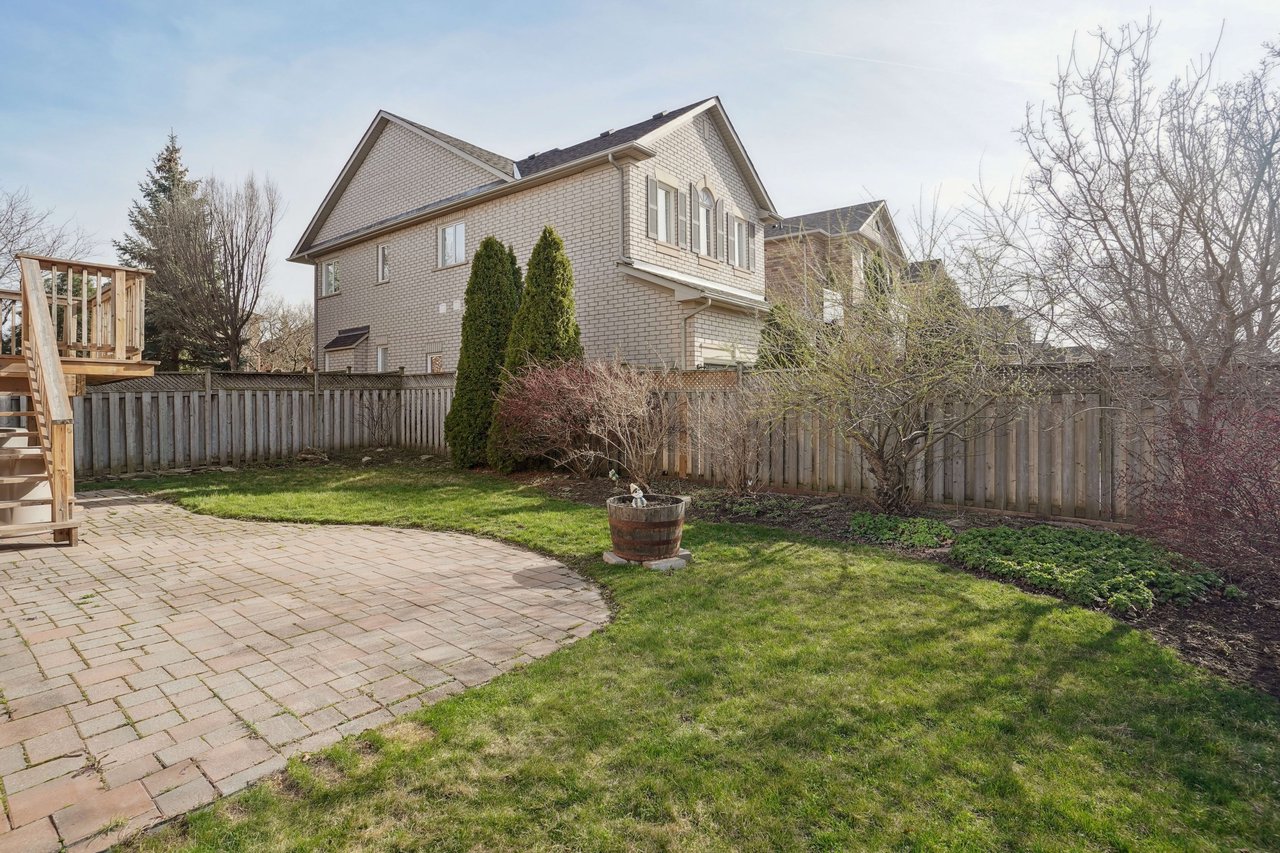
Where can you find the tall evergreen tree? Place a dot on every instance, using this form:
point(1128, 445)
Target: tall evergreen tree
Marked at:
point(545, 328)
point(493, 294)
point(166, 180)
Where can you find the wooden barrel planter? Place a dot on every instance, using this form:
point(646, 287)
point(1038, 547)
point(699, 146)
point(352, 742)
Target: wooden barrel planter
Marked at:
point(651, 532)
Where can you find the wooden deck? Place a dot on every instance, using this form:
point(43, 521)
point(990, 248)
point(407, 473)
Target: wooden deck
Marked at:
point(70, 325)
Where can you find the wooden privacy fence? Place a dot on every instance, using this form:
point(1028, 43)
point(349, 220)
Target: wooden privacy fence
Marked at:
point(1063, 455)
point(174, 421)
point(1066, 454)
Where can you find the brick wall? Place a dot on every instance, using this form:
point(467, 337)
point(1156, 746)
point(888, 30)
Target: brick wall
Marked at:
point(402, 171)
point(419, 311)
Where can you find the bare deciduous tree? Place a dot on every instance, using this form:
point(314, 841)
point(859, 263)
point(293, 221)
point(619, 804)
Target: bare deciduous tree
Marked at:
point(281, 337)
point(892, 357)
point(214, 247)
point(379, 415)
point(729, 426)
point(1148, 229)
point(26, 228)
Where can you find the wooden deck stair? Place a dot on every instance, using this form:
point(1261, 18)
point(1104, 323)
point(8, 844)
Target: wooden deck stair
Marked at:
point(71, 323)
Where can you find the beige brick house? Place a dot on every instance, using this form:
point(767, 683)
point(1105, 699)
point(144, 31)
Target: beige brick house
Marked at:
point(827, 252)
point(663, 220)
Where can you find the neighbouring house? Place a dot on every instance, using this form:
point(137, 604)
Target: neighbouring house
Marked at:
point(663, 221)
point(825, 255)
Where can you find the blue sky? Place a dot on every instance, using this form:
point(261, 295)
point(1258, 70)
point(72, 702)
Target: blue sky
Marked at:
point(837, 102)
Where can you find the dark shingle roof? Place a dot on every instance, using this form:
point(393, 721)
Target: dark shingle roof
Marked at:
point(347, 338)
point(839, 220)
point(559, 156)
point(497, 161)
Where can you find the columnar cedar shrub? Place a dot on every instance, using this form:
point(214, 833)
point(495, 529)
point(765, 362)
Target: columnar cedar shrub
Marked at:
point(545, 328)
point(1089, 567)
point(1220, 503)
point(493, 294)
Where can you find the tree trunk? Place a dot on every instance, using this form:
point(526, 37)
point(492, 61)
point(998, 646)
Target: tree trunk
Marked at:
point(893, 491)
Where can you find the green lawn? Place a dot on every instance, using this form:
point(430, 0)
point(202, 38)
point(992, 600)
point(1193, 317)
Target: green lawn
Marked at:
point(778, 694)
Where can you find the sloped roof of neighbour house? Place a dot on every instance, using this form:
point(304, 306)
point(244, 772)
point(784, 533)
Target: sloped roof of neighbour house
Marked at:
point(512, 176)
point(838, 220)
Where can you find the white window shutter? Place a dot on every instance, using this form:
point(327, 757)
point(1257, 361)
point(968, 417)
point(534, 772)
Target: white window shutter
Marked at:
point(751, 245)
point(731, 247)
point(682, 219)
point(720, 240)
point(694, 217)
point(653, 206)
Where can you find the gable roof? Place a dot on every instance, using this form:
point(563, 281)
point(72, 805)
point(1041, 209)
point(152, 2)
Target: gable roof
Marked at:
point(535, 163)
point(834, 222)
point(497, 161)
point(631, 141)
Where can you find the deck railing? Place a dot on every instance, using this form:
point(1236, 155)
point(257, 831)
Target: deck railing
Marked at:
point(51, 404)
point(96, 310)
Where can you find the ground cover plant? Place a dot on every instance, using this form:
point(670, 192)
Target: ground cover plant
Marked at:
point(782, 693)
point(903, 531)
point(1089, 567)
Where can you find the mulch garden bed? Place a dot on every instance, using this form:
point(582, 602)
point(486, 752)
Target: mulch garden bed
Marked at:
point(1238, 638)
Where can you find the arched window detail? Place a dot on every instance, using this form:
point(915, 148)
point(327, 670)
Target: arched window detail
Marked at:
point(702, 244)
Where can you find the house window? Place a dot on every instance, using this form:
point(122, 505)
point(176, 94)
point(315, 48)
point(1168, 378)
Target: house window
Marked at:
point(706, 221)
point(435, 363)
point(666, 211)
point(381, 359)
point(741, 237)
point(453, 244)
point(384, 264)
point(329, 278)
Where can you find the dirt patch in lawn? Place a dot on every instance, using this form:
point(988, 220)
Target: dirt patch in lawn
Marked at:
point(1238, 638)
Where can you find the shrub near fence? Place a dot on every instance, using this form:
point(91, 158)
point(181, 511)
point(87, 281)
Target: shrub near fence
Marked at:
point(174, 421)
point(1064, 454)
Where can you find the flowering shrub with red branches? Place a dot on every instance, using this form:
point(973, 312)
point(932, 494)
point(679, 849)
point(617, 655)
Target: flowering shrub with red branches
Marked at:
point(1220, 503)
point(543, 413)
point(588, 415)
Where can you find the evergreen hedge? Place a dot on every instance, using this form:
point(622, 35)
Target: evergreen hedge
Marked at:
point(545, 328)
point(493, 295)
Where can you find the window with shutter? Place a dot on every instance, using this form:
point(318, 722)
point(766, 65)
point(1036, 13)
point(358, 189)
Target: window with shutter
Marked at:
point(720, 231)
point(682, 219)
point(731, 231)
point(751, 245)
point(652, 196)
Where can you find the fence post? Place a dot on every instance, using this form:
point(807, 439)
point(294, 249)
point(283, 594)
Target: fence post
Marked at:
point(399, 409)
point(315, 408)
point(1107, 452)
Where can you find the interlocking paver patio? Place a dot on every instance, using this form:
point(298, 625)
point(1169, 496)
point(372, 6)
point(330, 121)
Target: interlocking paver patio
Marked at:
point(172, 656)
